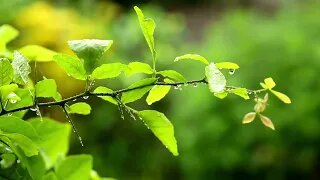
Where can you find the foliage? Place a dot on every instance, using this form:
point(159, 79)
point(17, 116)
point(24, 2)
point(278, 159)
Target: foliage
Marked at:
point(34, 142)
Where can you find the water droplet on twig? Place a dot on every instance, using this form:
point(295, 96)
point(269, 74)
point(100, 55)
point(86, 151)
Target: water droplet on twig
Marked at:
point(85, 97)
point(232, 71)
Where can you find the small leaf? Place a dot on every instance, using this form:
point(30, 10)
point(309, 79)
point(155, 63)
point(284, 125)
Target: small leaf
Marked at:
point(157, 93)
point(270, 83)
point(137, 93)
point(227, 65)
point(6, 72)
point(102, 89)
point(90, 51)
point(5, 90)
point(249, 117)
point(37, 53)
point(7, 160)
point(195, 57)
point(105, 71)
point(80, 108)
point(266, 121)
point(71, 65)
point(7, 34)
point(161, 128)
point(242, 92)
point(174, 75)
point(147, 26)
point(26, 144)
point(46, 88)
point(282, 96)
point(21, 68)
point(75, 167)
point(221, 95)
point(138, 67)
point(216, 80)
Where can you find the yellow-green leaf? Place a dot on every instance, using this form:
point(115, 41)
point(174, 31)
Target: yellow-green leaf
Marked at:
point(174, 75)
point(281, 96)
point(242, 92)
point(221, 95)
point(195, 57)
point(140, 88)
point(157, 93)
point(102, 89)
point(37, 53)
point(269, 83)
point(80, 108)
point(216, 80)
point(227, 65)
point(106, 71)
point(138, 67)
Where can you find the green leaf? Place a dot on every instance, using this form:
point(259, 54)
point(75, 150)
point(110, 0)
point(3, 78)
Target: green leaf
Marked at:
point(6, 72)
point(26, 100)
point(195, 57)
point(242, 92)
point(11, 124)
point(102, 89)
point(221, 95)
point(227, 65)
point(161, 128)
point(174, 75)
point(71, 65)
point(75, 167)
point(50, 176)
point(13, 98)
point(80, 108)
point(26, 144)
point(7, 160)
point(105, 71)
point(54, 141)
point(137, 93)
point(90, 51)
point(216, 80)
point(21, 68)
point(46, 88)
point(157, 93)
point(5, 90)
point(37, 53)
point(147, 26)
point(281, 96)
point(138, 67)
point(7, 34)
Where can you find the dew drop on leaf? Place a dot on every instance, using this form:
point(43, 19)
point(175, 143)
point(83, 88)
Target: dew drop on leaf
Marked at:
point(195, 85)
point(231, 71)
point(13, 101)
point(85, 97)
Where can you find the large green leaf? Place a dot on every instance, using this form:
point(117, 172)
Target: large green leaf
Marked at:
point(195, 57)
point(140, 88)
point(21, 68)
point(216, 80)
point(37, 53)
point(105, 71)
point(161, 128)
point(47, 88)
point(147, 26)
point(54, 139)
point(26, 144)
point(7, 160)
point(6, 72)
point(7, 34)
point(138, 67)
point(76, 167)
point(157, 93)
point(71, 65)
point(174, 75)
point(90, 51)
point(80, 108)
point(102, 89)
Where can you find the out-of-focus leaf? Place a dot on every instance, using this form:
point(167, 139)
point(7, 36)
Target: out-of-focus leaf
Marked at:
point(6, 72)
point(138, 67)
point(266, 121)
point(242, 92)
point(50, 176)
point(6, 90)
point(195, 57)
point(90, 51)
point(80, 108)
point(216, 80)
point(221, 95)
point(227, 65)
point(7, 34)
point(249, 117)
point(161, 128)
point(37, 53)
point(105, 71)
point(75, 167)
point(26, 144)
point(102, 89)
point(7, 160)
point(157, 93)
point(281, 96)
point(21, 68)
point(133, 95)
point(174, 75)
point(71, 65)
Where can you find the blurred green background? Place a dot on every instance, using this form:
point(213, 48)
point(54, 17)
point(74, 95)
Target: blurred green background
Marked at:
point(275, 38)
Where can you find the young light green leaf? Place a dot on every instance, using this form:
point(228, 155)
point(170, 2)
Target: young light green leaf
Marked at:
point(147, 26)
point(6, 72)
point(80, 108)
point(13, 98)
point(26, 144)
point(137, 93)
point(37, 53)
point(46, 88)
point(66, 169)
point(216, 80)
point(195, 57)
point(266, 121)
point(221, 95)
point(102, 89)
point(242, 92)
point(7, 160)
point(161, 128)
point(157, 93)
point(71, 65)
point(174, 75)
point(105, 71)
point(227, 65)
point(7, 34)
point(21, 68)
point(90, 51)
point(249, 117)
point(268, 83)
point(138, 67)
point(281, 96)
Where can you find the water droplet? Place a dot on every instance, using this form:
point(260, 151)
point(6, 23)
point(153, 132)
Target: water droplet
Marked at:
point(231, 71)
point(10, 114)
point(34, 108)
point(85, 97)
point(140, 118)
point(195, 85)
point(18, 161)
point(176, 87)
point(185, 84)
point(13, 101)
point(74, 100)
point(38, 113)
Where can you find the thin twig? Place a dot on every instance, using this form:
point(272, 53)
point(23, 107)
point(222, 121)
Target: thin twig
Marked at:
point(72, 124)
